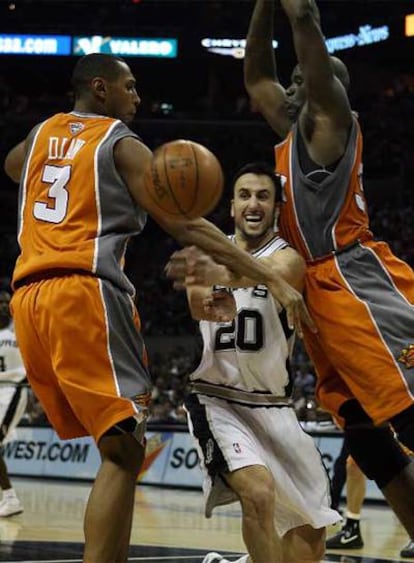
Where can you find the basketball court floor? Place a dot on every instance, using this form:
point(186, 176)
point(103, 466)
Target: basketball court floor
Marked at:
point(169, 527)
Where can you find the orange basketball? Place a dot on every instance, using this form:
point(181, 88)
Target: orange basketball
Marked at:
point(184, 179)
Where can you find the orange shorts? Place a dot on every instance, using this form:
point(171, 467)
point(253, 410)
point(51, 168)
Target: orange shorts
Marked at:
point(362, 302)
point(83, 352)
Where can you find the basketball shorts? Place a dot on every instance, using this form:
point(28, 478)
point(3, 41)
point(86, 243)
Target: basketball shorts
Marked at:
point(230, 436)
point(362, 302)
point(13, 403)
point(84, 355)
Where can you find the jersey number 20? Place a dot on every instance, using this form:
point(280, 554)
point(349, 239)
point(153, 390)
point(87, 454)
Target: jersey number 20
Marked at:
point(247, 336)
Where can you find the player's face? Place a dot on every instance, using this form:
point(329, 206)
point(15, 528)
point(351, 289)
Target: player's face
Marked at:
point(253, 206)
point(4, 309)
point(295, 94)
point(121, 99)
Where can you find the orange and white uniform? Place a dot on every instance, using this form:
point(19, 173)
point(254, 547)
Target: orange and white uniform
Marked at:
point(359, 294)
point(75, 320)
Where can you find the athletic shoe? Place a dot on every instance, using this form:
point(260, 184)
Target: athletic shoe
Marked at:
point(214, 558)
point(408, 550)
point(10, 506)
point(347, 538)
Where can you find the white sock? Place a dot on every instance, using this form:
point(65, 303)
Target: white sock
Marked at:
point(353, 515)
point(9, 493)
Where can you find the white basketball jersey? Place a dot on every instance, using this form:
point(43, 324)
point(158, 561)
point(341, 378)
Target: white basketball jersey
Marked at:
point(252, 352)
point(11, 363)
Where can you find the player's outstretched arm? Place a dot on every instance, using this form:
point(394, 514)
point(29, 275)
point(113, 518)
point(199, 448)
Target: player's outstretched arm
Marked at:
point(132, 159)
point(260, 75)
point(326, 95)
point(191, 266)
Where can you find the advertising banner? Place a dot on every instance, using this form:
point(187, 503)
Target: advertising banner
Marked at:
point(171, 457)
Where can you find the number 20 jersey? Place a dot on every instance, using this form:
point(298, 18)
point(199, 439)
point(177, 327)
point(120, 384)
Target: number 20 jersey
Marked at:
point(75, 212)
point(251, 353)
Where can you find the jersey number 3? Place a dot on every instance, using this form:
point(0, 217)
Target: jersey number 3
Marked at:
point(58, 178)
point(248, 336)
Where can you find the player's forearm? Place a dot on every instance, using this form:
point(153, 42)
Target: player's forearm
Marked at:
point(259, 60)
point(296, 10)
point(211, 240)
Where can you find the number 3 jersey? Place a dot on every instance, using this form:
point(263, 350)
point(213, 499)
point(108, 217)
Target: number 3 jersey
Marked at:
point(247, 358)
point(75, 212)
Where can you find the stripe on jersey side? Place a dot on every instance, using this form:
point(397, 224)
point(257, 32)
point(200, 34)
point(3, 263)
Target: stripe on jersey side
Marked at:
point(23, 184)
point(384, 305)
point(213, 458)
point(98, 196)
point(108, 345)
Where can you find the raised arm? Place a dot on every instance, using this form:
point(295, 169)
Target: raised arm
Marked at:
point(132, 158)
point(260, 76)
point(14, 161)
point(326, 116)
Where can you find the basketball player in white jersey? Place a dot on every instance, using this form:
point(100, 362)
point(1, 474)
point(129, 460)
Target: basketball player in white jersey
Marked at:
point(13, 400)
point(250, 443)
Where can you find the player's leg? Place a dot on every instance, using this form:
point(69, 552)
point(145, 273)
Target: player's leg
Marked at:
point(101, 381)
point(110, 505)
point(234, 470)
point(350, 536)
point(304, 544)
point(254, 486)
point(12, 407)
point(381, 458)
point(339, 476)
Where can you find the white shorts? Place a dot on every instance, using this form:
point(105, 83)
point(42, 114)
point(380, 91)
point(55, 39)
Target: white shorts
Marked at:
point(13, 403)
point(230, 436)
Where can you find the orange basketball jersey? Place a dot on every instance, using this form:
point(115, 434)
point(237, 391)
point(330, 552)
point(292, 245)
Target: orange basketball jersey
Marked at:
point(75, 212)
point(319, 218)
point(358, 293)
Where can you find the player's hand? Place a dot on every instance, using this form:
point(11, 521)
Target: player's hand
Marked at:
point(296, 310)
point(192, 266)
point(220, 306)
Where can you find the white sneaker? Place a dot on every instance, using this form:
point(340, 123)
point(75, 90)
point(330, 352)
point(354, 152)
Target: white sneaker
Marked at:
point(10, 506)
point(214, 558)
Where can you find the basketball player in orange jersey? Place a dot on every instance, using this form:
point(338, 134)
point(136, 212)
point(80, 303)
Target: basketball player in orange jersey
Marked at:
point(359, 294)
point(81, 198)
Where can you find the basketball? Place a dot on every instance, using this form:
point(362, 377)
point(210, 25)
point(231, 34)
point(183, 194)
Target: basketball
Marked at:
point(184, 179)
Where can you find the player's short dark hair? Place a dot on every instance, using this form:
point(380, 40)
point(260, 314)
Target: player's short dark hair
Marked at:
point(261, 169)
point(96, 64)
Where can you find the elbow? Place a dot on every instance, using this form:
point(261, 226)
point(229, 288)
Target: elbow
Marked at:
point(11, 170)
point(303, 14)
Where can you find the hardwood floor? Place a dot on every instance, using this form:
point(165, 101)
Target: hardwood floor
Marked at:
point(169, 526)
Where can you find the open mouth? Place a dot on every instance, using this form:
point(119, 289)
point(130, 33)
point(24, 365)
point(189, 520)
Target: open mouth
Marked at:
point(253, 219)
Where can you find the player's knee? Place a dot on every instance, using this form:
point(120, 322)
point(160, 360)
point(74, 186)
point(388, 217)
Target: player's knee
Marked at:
point(305, 544)
point(352, 469)
point(373, 448)
point(120, 446)
point(403, 425)
point(258, 499)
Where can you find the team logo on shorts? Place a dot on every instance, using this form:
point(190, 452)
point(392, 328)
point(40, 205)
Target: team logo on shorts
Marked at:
point(76, 127)
point(237, 448)
point(407, 356)
point(209, 451)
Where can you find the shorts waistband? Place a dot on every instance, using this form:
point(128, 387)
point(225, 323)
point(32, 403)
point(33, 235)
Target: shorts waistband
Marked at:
point(341, 250)
point(238, 395)
point(50, 274)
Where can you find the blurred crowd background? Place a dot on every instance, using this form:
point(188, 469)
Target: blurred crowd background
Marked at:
point(200, 96)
